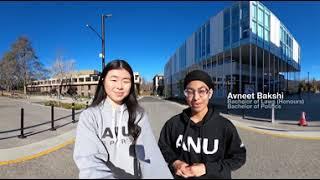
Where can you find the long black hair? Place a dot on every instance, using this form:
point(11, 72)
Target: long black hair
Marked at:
point(130, 100)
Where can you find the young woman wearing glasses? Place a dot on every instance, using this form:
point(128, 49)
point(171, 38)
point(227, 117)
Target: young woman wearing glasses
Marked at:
point(199, 143)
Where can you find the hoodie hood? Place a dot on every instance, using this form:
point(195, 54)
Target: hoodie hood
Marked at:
point(187, 117)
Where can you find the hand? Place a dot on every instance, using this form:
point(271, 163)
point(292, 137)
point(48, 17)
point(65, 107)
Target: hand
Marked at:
point(182, 169)
point(198, 169)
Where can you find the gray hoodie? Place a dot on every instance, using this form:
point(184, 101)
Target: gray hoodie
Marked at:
point(103, 147)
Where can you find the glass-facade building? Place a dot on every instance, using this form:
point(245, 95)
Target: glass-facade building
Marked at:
point(244, 47)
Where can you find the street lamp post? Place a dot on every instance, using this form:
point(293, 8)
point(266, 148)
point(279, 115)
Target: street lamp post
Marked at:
point(308, 87)
point(103, 38)
point(308, 84)
point(103, 42)
point(103, 16)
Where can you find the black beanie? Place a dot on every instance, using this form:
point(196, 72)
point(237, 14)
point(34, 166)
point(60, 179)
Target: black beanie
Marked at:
point(200, 76)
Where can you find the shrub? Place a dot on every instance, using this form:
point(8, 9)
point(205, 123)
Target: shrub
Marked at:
point(65, 105)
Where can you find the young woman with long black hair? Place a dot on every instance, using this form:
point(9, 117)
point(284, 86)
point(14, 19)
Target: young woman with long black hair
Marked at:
point(114, 138)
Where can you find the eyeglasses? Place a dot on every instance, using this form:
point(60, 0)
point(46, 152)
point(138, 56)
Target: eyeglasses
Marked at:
point(191, 92)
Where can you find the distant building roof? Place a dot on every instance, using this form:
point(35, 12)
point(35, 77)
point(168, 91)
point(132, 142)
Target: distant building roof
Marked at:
point(81, 73)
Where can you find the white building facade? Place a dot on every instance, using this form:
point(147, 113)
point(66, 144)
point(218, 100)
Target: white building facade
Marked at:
point(244, 46)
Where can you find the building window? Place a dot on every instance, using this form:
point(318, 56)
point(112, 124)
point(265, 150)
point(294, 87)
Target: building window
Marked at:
point(245, 24)
point(254, 27)
point(88, 79)
point(203, 41)
point(245, 34)
point(214, 63)
point(208, 39)
point(74, 80)
point(260, 15)
point(260, 31)
point(95, 78)
point(199, 45)
point(226, 18)
point(235, 33)
point(176, 63)
point(209, 66)
point(254, 12)
point(182, 53)
point(226, 37)
point(245, 10)
point(282, 35)
point(196, 46)
point(266, 35)
point(285, 37)
point(267, 21)
point(235, 14)
point(81, 79)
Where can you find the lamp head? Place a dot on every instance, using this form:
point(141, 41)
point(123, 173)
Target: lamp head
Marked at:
point(108, 15)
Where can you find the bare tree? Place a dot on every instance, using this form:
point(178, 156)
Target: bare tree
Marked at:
point(28, 66)
point(20, 65)
point(146, 86)
point(8, 74)
point(62, 70)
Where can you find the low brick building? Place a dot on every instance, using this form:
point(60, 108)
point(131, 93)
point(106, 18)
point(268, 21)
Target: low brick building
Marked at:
point(84, 82)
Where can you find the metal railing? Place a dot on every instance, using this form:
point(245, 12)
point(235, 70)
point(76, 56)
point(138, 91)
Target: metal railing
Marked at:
point(52, 121)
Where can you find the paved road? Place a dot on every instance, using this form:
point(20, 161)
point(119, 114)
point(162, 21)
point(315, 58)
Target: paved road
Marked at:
point(268, 156)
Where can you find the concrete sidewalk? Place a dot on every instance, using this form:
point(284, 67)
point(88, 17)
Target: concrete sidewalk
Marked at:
point(280, 128)
point(37, 122)
point(36, 149)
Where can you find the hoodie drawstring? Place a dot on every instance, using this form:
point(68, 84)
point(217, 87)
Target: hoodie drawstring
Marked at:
point(184, 138)
point(186, 132)
point(119, 135)
point(201, 137)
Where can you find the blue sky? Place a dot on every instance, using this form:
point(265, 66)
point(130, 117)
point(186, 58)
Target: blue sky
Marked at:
point(146, 34)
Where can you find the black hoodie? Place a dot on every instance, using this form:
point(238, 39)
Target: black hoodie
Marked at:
point(214, 141)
